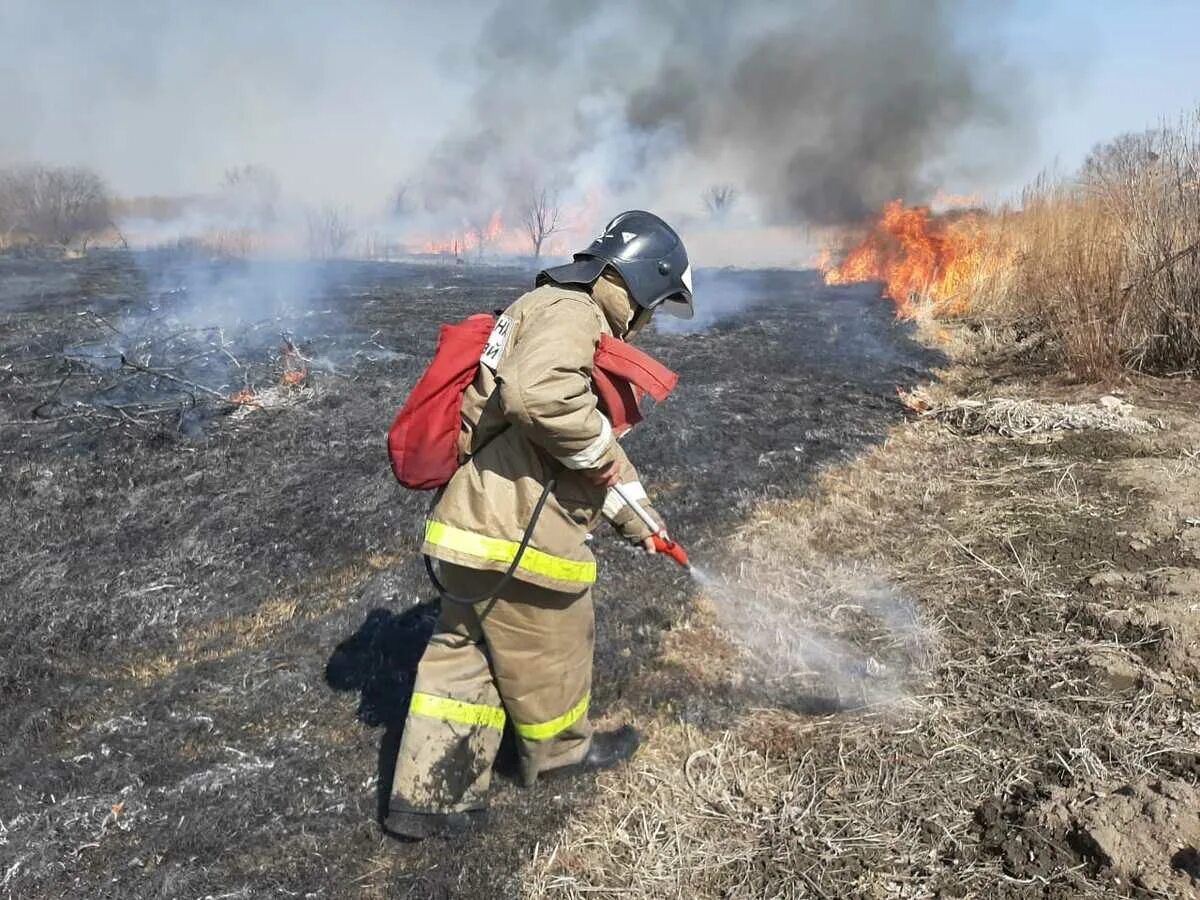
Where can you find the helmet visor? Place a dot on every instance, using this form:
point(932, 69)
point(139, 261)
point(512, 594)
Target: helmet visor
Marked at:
point(680, 305)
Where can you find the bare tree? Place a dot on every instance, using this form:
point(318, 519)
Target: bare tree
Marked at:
point(541, 215)
point(400, 203)
point(328, 232)
point(8, 213)
point(719, 199)
point(54, 205)
point(481, 231)
point(253, 191)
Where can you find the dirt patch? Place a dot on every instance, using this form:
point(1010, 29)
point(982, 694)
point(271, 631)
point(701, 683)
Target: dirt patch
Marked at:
point(1143, 834)
point(1008, 828)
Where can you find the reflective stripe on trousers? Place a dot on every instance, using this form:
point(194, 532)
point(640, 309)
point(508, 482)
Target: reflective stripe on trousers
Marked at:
point(543, 731)
point(478, 714)
point(534, 561)
point(527, 656)
point(447, 710)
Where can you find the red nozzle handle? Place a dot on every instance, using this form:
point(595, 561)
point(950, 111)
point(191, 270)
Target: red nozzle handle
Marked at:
point(668, 547)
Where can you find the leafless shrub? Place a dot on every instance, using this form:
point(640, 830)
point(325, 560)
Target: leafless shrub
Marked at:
point(7, 224)
point(719, 199)
point(329, 232)
point(53, 205)
point(379, 246)
point(541, 217)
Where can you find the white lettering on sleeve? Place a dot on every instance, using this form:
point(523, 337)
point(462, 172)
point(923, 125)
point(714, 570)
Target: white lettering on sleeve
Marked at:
point(497, 341)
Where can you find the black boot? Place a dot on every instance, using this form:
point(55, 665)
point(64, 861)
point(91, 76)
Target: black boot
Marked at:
point(416, 826)
point(608, 749)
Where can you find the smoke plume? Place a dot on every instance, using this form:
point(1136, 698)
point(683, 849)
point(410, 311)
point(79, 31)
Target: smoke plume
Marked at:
point(820, 110)
point(815, 111)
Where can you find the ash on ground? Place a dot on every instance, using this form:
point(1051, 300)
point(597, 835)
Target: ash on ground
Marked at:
point(172, 597)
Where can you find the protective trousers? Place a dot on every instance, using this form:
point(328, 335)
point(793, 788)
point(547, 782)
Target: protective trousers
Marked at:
point(528, 653)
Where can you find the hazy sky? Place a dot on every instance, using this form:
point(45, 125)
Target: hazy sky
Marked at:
point(1102, 67)
point(345, 99)
point(163, 95)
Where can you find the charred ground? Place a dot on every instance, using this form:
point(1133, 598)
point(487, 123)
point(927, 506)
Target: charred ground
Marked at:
point(211, 612)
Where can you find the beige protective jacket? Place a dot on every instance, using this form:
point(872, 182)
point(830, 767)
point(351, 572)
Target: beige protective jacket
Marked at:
point(531, 416)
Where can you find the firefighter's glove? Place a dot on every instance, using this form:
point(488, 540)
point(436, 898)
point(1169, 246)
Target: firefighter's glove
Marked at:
point(632, 528)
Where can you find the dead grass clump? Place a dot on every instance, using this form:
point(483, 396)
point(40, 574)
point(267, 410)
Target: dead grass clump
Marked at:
point(1019, 417)
point(878, 806)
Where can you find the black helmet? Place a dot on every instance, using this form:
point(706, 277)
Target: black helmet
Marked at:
point(648, 255)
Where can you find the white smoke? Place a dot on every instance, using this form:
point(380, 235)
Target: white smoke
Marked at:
point(816, 110)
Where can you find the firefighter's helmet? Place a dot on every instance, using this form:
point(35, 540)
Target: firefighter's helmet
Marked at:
point(647, 254)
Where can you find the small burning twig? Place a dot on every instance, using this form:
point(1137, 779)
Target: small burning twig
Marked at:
point(295, 363)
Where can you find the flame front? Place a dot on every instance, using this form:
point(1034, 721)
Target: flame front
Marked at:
point(921, 259)
point(501, 236)
point(493, 235)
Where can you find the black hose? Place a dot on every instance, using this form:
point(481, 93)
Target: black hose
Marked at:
point(512, 569)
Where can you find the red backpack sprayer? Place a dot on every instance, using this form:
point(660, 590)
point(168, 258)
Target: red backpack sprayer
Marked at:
point(422, 442)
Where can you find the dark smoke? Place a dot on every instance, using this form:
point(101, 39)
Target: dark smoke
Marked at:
point(820, 110)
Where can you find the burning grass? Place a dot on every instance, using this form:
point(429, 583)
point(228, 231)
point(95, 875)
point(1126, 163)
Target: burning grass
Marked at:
point(1107, 260)
point(923, 260)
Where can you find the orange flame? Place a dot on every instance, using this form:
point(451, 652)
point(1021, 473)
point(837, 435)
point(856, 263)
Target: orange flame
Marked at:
point(574, 226)
point(244, 397)
point(920, 258)
point(492, 235)
point(294, 377)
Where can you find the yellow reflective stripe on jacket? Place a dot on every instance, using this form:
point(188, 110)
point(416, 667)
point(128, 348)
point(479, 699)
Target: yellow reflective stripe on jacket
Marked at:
point(535, 561)
point(449, 710)
point(543, 731)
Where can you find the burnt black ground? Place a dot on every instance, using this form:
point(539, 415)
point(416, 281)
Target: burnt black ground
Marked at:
point(207, 635)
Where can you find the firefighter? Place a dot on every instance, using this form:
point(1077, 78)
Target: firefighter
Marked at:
point(536, 448)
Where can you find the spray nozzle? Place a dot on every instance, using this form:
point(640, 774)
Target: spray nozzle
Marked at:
point(662, 543)
point(673, 549)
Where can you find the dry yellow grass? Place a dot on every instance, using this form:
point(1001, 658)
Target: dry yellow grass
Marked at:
point(884, 800)
point(1108, 258)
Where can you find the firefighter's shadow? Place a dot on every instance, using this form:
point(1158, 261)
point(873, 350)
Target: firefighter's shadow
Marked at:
point(380, 662)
